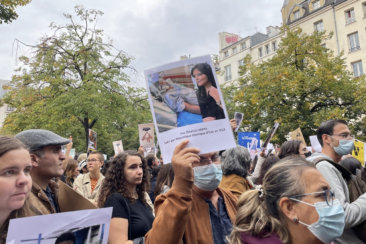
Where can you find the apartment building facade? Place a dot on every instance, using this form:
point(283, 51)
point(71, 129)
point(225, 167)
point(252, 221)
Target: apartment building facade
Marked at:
point(346, 19)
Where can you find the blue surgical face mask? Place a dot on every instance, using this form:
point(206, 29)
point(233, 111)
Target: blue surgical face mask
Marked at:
point(330, 224)
point(207, 177)
point(345, 147)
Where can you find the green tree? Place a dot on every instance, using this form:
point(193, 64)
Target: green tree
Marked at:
point(76, 81)
point(7, 9)
point(301, 86)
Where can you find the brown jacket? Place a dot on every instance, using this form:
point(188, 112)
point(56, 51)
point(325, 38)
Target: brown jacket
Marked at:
point(67, 199)
point(235, 184)
point(182, 216)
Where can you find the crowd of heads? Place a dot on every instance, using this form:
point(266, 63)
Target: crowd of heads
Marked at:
point(280, 194)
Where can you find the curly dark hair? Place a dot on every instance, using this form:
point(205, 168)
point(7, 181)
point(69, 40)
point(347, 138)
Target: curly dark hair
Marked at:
point(115, 180)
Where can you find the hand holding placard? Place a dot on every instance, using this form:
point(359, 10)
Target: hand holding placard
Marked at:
point(182, 160)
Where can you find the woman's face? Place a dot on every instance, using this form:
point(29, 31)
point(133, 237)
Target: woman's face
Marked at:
point(302, 150)
point(313, 182)
point(15, 179)
point(200, 78)
point(133, 170)
point(76, 172)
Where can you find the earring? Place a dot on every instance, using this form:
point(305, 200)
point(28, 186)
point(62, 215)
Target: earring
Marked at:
point(295, 220)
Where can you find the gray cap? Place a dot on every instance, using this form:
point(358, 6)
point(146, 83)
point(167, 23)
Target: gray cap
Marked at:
point(36, 139)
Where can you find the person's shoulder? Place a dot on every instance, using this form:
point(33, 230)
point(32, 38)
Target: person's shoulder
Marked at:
point(227, 194)
point(214, 92)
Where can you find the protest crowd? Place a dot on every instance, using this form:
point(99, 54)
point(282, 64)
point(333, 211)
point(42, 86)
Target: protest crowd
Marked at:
point(289, 195)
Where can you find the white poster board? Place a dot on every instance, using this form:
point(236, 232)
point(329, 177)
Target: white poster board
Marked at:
point(315, 144)
point(186, 103)
point(86, 226)
point(147, 138)
point(117, 147)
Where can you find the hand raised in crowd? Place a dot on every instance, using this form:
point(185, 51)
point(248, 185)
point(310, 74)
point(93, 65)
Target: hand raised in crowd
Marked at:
point(233, 124)
point(141, 150)
point(182, 160)
point(69, 145)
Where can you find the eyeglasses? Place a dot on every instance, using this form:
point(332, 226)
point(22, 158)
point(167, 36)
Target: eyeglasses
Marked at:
point(92, 160)
point(214, 159)
point(344, 135)
point(328, 196)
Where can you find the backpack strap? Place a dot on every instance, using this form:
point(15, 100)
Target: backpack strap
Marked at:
point(346, 174)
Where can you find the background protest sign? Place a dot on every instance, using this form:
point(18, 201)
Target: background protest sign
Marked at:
point(246, 139)
point(359, 151)
point(92, 143)
point(297, 135)
point(117, 147)
point(315, 144)
point(239, 118)
point(270, 134)
point(250, 140)
point(147, 137)
point(179, 114)
point(87, 226)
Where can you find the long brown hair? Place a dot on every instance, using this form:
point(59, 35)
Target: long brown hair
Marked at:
point(115, 180)
point(71, 165)
point(8, 143)
point(165, 177)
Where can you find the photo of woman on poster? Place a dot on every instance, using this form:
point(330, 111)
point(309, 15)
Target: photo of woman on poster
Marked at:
point(208, 96)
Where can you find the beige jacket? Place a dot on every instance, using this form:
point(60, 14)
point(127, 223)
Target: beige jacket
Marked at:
point(82, 185)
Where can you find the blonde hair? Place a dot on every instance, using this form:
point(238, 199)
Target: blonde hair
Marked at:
point(258, 211)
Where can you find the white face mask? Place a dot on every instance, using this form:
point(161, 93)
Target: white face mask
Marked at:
point(345, 147)
point(207, 177)
point(330, 224)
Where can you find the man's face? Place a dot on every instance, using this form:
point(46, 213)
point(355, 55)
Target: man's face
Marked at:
point(94, 163)
point(208, 158)
point(340, 132)
point(50, 163)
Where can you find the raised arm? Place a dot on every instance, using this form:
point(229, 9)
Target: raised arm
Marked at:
point(173, 208)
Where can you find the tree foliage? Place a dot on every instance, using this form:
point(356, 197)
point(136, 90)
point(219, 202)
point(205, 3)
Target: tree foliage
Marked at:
point(75, 81)
point(7, 10)
point(301, 86)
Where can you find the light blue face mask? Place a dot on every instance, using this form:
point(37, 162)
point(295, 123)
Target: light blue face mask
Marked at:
point(207, 177)
point(330, 224)
point(345, 147)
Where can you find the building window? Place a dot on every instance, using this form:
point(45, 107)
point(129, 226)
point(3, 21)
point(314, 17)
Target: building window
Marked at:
point(234, 50)
point(357, 68)
point(267, 49)
point(227, 72)
point(364, 9)
point(318, 26)
point(350, 16)
point(243, 46)
point(241, 62)
point(354, 43)
point(274, 46)
point(296, 14)
point(226, 54)
point(260, 52)
point(316, 4)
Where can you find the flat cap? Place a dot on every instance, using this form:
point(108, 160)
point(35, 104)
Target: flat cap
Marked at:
point(36, 139)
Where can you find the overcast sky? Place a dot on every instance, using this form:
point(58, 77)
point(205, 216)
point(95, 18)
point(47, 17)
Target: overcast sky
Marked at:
point(154, 32)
